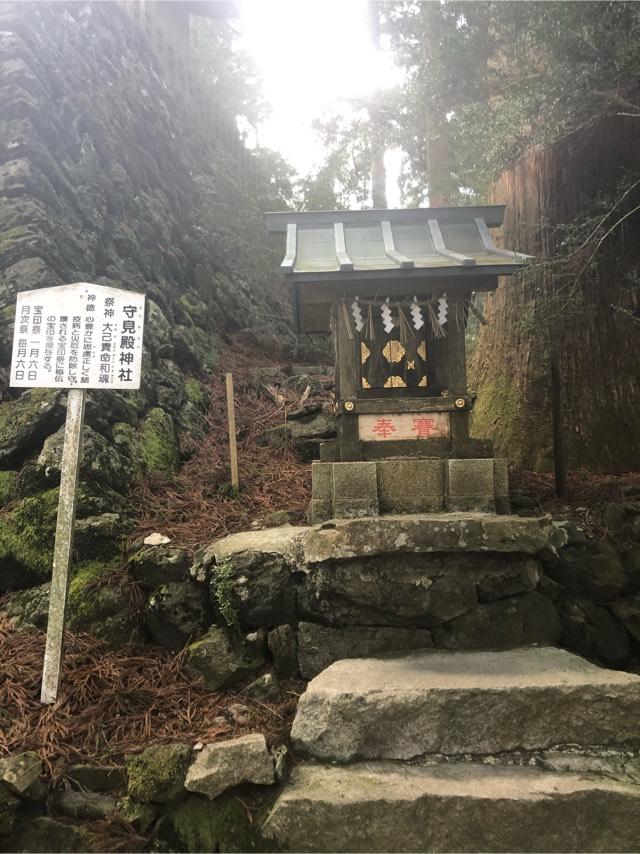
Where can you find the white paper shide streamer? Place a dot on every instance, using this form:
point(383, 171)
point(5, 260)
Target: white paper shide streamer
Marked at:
point(387, 320)
point(442, 310)
point(416, 314)
point(356, 313)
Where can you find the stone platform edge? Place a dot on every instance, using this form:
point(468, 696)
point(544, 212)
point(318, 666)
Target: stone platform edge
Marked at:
point(343, 539)
point(353, 489)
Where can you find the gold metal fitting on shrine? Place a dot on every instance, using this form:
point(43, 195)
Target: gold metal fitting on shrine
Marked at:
point(460, 403)
point(349, 405)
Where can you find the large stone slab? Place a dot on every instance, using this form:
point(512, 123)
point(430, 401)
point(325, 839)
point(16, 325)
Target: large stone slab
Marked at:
point(455, 807)
point(455, 703)
point(419, 590)
point(343, 539)
point(429, 532)
point(410, 590)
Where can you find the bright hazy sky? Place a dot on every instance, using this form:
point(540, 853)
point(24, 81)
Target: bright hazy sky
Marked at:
point(310, 54)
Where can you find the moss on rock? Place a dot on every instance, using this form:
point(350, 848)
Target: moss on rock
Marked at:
point(198, 824)
point(8, 481)
point(26, 541)
point(140, 815)
point(47, 834)
point(196, 392)
point(100, 607)
point(100, 463)
point(157, 774)
point(29, 609)
point(25, 422)
point(158, 443)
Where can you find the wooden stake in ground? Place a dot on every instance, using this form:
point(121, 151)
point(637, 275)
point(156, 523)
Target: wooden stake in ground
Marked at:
point(71, 454)
point(233, 447)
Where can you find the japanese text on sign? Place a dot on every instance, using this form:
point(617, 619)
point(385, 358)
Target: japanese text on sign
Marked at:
point(78, 336)
point(406, 425)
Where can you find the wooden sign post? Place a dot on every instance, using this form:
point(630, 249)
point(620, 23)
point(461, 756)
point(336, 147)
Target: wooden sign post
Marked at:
point(71, 455)
point(233, 445)
point(74, 337)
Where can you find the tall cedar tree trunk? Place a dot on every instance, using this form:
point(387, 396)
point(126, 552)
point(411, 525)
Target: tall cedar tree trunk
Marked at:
point(597, 339)
point(443, 189)
point(378, 171)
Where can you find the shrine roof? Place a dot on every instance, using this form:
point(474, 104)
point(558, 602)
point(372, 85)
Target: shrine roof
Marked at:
point(385, 244)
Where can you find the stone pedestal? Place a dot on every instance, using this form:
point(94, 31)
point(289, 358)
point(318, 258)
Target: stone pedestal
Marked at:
point(344, 490)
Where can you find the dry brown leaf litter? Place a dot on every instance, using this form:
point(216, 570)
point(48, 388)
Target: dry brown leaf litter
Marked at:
point(196, 506)
point(116, 702)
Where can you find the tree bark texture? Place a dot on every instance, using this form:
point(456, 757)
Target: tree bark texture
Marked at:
point(443, 188)
point(593, 319)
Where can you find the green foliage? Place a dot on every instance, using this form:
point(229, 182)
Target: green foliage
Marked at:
point(222, 586)
point(509, 74)
point(231, 73)
point(494, 78)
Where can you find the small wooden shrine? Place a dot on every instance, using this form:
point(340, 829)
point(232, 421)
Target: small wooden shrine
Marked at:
point(395, 288)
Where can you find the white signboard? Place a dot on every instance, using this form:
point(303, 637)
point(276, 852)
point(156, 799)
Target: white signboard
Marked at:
point(407, 425)
point(78, 336)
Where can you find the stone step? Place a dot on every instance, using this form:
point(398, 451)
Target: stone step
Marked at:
point(410, 705)
point(386, 806)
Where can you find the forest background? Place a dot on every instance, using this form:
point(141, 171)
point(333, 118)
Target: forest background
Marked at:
point(535, 105)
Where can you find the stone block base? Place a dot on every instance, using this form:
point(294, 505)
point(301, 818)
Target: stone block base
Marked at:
point(355, 489)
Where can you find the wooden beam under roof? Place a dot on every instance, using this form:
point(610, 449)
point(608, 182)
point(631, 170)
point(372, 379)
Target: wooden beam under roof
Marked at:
point(292, 247)
point(390, 248)
point(490, 246)
point(346, 264)
point(441, 249)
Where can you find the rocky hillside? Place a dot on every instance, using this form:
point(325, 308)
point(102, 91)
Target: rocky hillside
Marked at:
point(101, 181)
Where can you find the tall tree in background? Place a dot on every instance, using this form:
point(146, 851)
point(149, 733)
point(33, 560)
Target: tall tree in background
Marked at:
point(543, 110)
point(378, 171)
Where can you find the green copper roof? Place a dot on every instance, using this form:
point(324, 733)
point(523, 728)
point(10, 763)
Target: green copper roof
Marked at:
point(346, 245)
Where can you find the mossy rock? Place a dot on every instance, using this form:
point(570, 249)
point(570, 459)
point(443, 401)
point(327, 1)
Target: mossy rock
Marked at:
point(29, 609)
point(194, 349)
point(193, 307)
point(127, 443)
point(198, 824)
point(104, 408)
point(100, 463)
point(140, 815)
point(44, 834)
point(157, 331)
point(8, 483)
point(9, 806)
point(101, 608)
point(26, 541)
point(156, 565)
point(25, 422)
point(159, 444)
point(157, 774)
point(223, 658)
point(101, 536)
point(197, 393)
